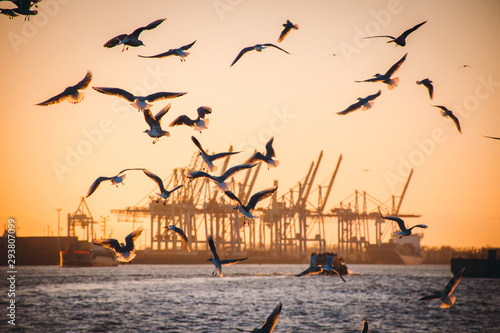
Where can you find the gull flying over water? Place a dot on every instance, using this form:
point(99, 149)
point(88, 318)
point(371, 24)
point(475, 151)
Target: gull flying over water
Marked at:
point(268, 157)
point(180, 52)
point(181, 234)
point(256, 47)
point(163, 192)
point(125, 252)
point(154, 123)
point(270, 322)
point(428, 84)
point(288, 26)
point(71, 94)
point(115, 180)
point(320, 269)
point(199, 123)
point(400, 40)
point(220, 180)
point(133, 38)
point(217, 262)
point(208, 159)
point(386, 78)
point(362, 103)
point(139, 102)
point(444, 295)
point(254, 199)
point(401, 224)
point(447, 113)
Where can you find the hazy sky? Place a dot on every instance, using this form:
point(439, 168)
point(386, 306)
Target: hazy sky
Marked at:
point(52, 154)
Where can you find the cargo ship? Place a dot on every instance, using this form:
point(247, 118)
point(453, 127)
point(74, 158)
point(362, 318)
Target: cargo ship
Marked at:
point(329, 258)
point(398, 251)
point(85, 254)
point(484, 263)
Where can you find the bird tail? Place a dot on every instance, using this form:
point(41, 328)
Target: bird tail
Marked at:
point(447, 302)
point(367, 106)
point(201, 124)
point(211, 167)
point(75, 98)
point(273, 163)
point(393, 83)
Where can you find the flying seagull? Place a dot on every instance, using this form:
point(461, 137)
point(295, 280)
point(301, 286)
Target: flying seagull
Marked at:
point(386, 78)
point(199, 123)
point(256, 47)
point(181, 234)
point(163, 192)
point(208, 159)
point(180, 52)
point(365, 326)
point(270, 322)
point(402, 227)
point(428, 84)
point(362, 103)
point(115, 180)
point(217, 262)
point(254, 199)
point(23, 8)
point(71, 94)
point(401, 40)
point(133, 38)
point(268, 158)
point(139, 102)
point(444, 295)
point(320, 269)
point(125, 252)
point(220, 180)
point(8, 12)
point(154, 123)
point(288, 26)
point(447, 113)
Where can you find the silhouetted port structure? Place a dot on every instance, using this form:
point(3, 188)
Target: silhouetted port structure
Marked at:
point(288, 224)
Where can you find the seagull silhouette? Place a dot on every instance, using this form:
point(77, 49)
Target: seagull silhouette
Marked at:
point(401, 224)
point(254, 199)
point(365, 326)
point(198, 124)
point(428, 84)
point(444, 295)
point(363, 104)
point(448, 113)
point(217, 262)
point(71, 94)
point(163, 192)
point(256, 47)
point(288, 26)
point(138, 102)
point(208, 159)
point(220, 180)
point(154, 123)
point(320, 269)
point(180, 52)
point(400, 40)
point(181, 234)
point(125, 252)
point(270, 322)
point(386, 78)
point(268, 157)
point(133, 38)
point(115, 180)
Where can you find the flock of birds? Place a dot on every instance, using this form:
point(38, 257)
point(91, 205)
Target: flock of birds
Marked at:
point(125, 252)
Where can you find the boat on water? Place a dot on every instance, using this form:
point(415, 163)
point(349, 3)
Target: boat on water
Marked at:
point(484, 263)
point(86, 254)
point(398, 251)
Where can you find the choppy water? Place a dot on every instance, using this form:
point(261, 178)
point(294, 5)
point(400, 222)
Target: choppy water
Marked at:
point(147, 298)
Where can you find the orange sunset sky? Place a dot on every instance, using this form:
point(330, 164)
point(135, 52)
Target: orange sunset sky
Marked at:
point(52, 154)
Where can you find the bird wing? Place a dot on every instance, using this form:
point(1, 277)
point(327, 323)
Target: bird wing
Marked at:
point(197, 174)
point(56, 99)
point(233, 196)
point(335, 271)
point(160, 55)
point(242, 52)
point(269, 148)
point(277, 47)
point(110, 243)
point(115, 40)
point(399, 221)
point(150, 26)
point(395, 67)
point(384, 36)
point(409, 31)
point(84, 83)
point(374, 79)
point(284, 32)
point(372, 97)
point(272, 320)
point(163, 95)
point(203, 111)
point(176, 188)
point(96, 184)
point(428, 84)
point(183, 236)
point(116, 92)
point(457, 123)
point(441, 107)
point(148, 117)
point(156, 179)
point(232, 261)
point(162, 112)
point(198, 144)
point(182, 120)
point(221, 155)
point(309, 270)
point(186, 47)
point(430, 296)
point(491, 137)
point(256, 157)
point(130, 239)
point(212, 247)
point(351, 108)
point(254, 199)
point(420, 226)
point(451, 285)
point(235, 169)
